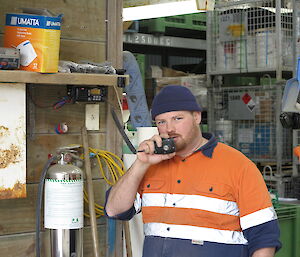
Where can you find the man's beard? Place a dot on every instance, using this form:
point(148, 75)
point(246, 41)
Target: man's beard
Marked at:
point(182, 143)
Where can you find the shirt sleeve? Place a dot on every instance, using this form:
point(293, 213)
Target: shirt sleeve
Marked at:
point(258, 218)
point(263, 236)
point(127, 215)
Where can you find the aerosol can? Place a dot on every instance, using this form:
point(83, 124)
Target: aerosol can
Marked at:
point(64, 208)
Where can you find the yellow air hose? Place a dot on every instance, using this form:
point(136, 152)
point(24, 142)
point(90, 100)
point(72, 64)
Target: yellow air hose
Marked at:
point(116, 169)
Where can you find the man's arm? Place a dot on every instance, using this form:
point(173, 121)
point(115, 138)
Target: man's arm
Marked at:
point(258, 218)
point(122, 194)
point(264, 252)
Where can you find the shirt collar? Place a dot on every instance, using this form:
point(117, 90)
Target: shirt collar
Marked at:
point(209, 147)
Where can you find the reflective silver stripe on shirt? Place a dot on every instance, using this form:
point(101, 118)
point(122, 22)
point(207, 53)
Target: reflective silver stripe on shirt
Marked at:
point(194, 233)
point(191, 201)
point(258, 217)
point(138, 203)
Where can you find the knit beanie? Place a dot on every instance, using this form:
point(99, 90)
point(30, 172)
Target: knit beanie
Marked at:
point(174, 98)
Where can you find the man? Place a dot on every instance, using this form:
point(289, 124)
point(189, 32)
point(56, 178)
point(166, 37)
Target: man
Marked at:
point(206, 199)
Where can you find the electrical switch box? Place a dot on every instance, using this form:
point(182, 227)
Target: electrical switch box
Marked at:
point(92, 114)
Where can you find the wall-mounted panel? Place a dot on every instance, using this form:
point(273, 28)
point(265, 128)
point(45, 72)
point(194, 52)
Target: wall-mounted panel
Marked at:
point(12, 141)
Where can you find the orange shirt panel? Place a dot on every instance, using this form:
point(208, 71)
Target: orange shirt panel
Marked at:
point(191, 217)
point(228, 175)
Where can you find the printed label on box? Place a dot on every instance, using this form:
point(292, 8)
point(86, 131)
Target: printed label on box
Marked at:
point(37, 38)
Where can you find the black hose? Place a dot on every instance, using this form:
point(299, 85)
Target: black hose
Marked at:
point(122, 132)
point(39, 205)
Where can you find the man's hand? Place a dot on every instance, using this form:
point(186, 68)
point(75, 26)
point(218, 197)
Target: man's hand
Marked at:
point(146, 151)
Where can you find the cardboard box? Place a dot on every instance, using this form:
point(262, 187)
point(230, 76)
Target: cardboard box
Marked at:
point(264, 111)
point(37, 38)
point(168, 72)
point(154, 72)
point(196, 83)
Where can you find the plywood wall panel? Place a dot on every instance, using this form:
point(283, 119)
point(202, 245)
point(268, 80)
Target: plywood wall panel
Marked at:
point(83, 38)
point(23, 245)
point(99, 195)
point(82, 20)
point(46, 117)
point(114, 55)
point(39, 148)
point(88, 249)
point(77, 51)
point(19, 214)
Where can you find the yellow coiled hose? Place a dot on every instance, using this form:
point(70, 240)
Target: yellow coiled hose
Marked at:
point(116, 169)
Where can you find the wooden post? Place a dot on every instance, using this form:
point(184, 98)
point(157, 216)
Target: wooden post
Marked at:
point(114, 54)
point(90, 192)
point(127, 239)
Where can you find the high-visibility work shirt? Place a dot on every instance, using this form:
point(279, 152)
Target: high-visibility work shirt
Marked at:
point(213, 203)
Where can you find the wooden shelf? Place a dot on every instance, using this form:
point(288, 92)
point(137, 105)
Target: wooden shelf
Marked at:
point(62, 78)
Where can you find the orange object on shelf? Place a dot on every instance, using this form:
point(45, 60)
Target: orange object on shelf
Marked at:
point(297, 151)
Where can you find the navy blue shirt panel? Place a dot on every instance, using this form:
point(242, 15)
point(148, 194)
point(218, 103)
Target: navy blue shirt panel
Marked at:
point(155, 246)
point(127, 215)
point(209, 147)
point(263, 236)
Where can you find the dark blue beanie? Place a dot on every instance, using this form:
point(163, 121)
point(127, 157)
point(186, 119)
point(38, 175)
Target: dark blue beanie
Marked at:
point(174, 98)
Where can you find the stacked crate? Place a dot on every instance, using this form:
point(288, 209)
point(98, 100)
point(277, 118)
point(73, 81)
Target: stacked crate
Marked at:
point(180, 25)
point(246, 37)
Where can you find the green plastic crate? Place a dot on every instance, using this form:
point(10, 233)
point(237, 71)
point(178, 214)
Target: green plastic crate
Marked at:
point(239, 81)
point(188, 21)
point(289, 222)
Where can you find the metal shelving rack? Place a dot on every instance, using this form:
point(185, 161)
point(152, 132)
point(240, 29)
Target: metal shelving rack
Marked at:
point(247, 118)
point(253, 38)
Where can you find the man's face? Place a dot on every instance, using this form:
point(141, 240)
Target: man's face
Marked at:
point(183, 126)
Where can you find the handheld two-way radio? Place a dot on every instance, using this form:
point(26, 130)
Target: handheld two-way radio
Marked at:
point(168, 144)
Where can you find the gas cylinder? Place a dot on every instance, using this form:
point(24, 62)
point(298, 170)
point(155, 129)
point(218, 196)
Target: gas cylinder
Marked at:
point(63, 213)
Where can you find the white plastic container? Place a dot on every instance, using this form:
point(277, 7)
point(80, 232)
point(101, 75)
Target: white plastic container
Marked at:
point(223, 131)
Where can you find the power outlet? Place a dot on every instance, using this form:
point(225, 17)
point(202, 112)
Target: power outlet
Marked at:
point(92, 112)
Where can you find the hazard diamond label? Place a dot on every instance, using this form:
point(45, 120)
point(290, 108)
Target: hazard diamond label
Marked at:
point(247, 99)
point(251, 105)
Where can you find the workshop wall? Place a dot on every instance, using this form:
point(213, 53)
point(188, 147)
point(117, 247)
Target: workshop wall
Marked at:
point(83, 31)
point(83, 37)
